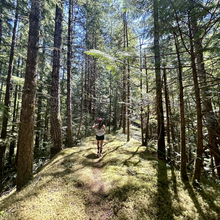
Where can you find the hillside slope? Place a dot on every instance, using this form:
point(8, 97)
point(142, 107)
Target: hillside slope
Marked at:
point(127, 182)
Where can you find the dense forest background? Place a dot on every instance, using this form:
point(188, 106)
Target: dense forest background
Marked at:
point(152, 63)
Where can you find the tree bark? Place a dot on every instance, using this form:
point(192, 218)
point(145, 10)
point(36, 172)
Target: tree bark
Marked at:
point(141, 104)
point(198, 160)
point(12, 143)
point(124, 79)
point(38, 136)
point(55, 118)
point(128, 103)
point(147, 114)
point(128, 86)
point(46, 124)
point(183, 129)
point(1, 28)
point(110, 103)
point(26, 131)
point(160, 117)
point(115, 119)
point(0, 50)
point(81, 112)
point(167, 103)
point(69, 62)
point(210, 118)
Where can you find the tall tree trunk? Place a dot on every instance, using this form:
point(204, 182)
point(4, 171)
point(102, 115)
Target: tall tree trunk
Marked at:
point(147, 115)
point(94, 91)
point(183, 131)
point(124, 79)
point(141, 88)
point(46, 124)
point(167, 102)
point(1, 84)
point(1, 28)
point(110, 103)
point(160, 117)
point(38, 136)
point(38, 123)
point(26, 131)
point(198, 160)
point(12, 143)
point(115, 120)
point(128, 103)
point(86, 99)
point(55, 118)
point(211, 121)
point(81, 112)
point(0, 50)
point(128, 85)
point(69, 62)
point(86, 84)
point(7, 95)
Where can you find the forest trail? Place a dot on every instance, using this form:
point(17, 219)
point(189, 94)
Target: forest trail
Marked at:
point(127, 182)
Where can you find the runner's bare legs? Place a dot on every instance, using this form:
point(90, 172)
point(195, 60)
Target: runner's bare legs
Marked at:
point(98, 149)
point(101, 146)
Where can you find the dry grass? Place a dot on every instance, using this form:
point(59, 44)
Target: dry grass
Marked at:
point(126, 183)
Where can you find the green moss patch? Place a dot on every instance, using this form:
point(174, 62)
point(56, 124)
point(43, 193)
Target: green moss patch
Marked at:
point(127, 182)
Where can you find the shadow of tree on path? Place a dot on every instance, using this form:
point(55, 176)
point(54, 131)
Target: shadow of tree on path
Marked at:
point(194, 199)
point(209, 198)
point(163, 198)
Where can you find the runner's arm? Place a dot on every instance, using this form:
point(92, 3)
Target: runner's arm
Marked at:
point(94, 126)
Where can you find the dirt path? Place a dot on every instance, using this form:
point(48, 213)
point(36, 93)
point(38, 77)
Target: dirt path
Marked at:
point(99, 207)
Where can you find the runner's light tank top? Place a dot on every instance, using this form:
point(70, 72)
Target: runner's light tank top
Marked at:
point(100, 132)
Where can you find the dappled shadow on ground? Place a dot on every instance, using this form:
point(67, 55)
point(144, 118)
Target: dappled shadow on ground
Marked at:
point(209, 200)
point(126, 162)
point(146, 195)
point(92, 156)
point(193, 196)
point(163, 198)
point(174, 184)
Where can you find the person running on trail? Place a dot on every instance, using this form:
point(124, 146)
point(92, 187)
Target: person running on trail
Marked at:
point(100, 132)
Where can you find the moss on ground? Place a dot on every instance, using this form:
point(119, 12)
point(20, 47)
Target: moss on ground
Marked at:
point(127, 182)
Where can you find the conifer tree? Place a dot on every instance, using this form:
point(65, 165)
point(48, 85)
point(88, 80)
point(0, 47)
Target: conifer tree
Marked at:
point(159, 106)
point(69, 63)
point(26, 131)
point(55, 117)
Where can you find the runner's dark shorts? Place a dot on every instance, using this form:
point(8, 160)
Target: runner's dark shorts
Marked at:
point(99, 138)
